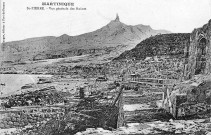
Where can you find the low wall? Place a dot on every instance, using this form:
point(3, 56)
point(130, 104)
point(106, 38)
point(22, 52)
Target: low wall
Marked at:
point(20, 117)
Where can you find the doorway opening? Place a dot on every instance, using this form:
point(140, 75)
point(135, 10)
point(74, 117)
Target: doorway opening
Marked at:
point(200, 58)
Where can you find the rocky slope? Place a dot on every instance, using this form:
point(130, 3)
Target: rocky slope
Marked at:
point(115, 37)
point(165, 44)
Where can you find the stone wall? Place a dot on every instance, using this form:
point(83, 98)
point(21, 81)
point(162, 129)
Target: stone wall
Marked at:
point(198, 53)
point(22, 116)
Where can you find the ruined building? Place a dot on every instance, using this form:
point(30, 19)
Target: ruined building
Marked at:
point(198, 52)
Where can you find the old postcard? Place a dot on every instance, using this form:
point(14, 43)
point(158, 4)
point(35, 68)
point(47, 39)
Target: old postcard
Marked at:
point(105, 67)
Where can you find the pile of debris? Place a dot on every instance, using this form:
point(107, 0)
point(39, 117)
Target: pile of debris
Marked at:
point(194, 127)
point(191, 97)
point(88, 113)
point(45, 96)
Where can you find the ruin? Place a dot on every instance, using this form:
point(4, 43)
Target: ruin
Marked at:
point(197, 53)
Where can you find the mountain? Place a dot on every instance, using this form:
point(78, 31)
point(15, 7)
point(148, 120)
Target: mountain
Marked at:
point(113, 39)
point(165, 44)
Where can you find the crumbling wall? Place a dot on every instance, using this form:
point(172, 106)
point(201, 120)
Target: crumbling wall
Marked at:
point(192, 52)
point(21, 118)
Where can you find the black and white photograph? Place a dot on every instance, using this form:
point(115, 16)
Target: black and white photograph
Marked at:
point(105, 67)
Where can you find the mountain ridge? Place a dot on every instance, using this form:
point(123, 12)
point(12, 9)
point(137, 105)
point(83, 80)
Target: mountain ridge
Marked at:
point(115, 35)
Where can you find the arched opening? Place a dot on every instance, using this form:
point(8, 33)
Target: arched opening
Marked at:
point(200, 58)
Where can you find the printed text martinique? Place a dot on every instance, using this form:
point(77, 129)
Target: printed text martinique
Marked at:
point(57, 4)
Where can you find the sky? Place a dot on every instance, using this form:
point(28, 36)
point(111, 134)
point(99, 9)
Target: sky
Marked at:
point(173, 15)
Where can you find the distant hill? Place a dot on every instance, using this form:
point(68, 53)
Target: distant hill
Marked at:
point(114, 38)
point(165, 44)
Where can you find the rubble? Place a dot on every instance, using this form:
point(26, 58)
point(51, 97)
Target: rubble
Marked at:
point(45, 96)
point(194, 127)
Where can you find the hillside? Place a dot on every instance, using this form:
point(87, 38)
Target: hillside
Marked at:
point(165, 44)
point(114, 38)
